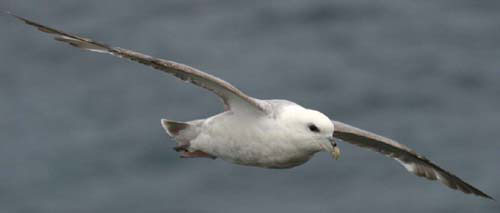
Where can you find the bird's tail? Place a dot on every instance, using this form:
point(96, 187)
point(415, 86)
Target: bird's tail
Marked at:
point(181, 130)
point(184, 133)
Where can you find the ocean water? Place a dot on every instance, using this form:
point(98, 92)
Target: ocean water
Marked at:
point(80, 131)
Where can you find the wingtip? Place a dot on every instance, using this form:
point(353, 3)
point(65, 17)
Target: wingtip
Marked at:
point(489, 197)
point(483, 195)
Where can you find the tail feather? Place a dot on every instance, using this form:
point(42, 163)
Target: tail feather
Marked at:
point(182, 131)
point(173, 128)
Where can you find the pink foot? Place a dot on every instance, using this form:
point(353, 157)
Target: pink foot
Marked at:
point(196, 154)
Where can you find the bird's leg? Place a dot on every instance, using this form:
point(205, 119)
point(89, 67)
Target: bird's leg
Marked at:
point(196, 154)
point(183, 148)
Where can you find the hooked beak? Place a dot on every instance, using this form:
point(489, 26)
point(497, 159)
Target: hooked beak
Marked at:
point(332, 148)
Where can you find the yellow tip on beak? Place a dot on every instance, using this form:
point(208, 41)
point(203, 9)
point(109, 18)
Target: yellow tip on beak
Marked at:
point(336, 153)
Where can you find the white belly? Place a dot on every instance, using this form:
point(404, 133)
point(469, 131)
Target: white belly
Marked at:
point(247, 141)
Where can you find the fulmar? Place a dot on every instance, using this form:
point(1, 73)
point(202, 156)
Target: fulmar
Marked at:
point(262, 133)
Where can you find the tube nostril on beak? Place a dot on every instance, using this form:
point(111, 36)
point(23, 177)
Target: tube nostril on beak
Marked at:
point(332, 141)
point(332, 148)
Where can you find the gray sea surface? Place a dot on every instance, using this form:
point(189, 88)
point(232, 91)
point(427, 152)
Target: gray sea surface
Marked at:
point(80, 131)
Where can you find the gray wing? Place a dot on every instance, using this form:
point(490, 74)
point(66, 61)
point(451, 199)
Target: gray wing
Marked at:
point(413, 162)
point(232, 98)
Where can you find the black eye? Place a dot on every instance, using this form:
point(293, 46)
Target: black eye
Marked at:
point(313, 128)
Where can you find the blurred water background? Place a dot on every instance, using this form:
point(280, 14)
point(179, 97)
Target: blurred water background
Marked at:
point(80, 132)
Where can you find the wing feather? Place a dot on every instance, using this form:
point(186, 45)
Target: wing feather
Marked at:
point(412, 161)
point(233, 98)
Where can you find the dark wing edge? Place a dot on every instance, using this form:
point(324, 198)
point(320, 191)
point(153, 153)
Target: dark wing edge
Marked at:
point(413, 162)
point(229, 94)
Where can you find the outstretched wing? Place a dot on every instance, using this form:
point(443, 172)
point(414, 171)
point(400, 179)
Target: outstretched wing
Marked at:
point(413, 162)
point(233, 99)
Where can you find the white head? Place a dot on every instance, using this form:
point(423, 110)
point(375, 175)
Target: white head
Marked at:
point(313, 129)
